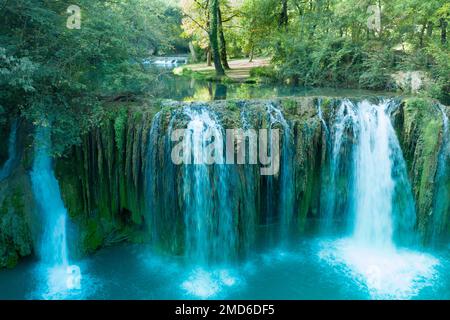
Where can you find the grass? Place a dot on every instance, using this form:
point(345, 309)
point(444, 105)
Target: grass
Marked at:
point(240, 70)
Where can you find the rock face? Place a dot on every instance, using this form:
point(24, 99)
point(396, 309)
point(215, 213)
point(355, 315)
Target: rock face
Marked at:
point(121, 185)
point(424, 139)
point(16, 202)
point(411, 81)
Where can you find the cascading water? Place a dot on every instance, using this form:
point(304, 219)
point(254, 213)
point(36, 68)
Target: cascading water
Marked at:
point(210, 223)
point(249, 213)
point(375, 183)
point(371, 253)
point(322, 120)
point(286, 191)
point(210, 230)
point(200, 212)
point(46, 190)
point(60, 276)
point(8, 166)
point(151, 179)
point(162, 190)
point(338, 167)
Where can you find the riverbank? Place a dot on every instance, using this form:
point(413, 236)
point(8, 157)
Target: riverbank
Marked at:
point(240, 70)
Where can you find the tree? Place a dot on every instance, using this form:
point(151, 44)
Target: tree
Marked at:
point(222, 42)
point(332, 43)
point(259, 20)
point(213, 36)
point(284, 14)
point(195, 24)
point(51, 74)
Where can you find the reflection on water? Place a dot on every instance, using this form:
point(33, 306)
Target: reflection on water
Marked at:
point(169, 86)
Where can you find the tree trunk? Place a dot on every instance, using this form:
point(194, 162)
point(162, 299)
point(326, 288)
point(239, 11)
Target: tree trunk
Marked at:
point(222, 43)
point(192, 50)
point(422, 33)
point(443, 25)
point(213, 36)
point(430, 29)
point(208, 57)
point(284, 13)
point(252, 52)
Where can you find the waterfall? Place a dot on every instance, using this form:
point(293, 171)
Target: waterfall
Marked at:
point(383, 213)
point(163, 193)
point(151, 182)
point(322, 120)
point(60, 275)
point(203, 190)
point(365, 164)
point(338, 169)
point(249, 212)
point(378, 164)
point(286, 179)
point(8, 166)
point(48, 197)
point(209, 219)
point(330, 187)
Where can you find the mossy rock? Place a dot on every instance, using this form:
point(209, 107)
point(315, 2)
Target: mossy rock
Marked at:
point(15, 236)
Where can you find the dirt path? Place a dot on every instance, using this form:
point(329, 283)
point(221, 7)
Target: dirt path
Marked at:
point(240, 69)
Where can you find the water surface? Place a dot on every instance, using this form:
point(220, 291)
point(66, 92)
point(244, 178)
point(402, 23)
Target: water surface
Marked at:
point(310, 268)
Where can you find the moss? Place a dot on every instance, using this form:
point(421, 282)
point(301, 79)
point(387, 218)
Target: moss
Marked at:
point(15, 240)
point(428, 163)
point(326, 103)
point(232, 106)
point(289, 104)
point(119, 128)
point(308, 162)
point(12, 260)
point(102, 180)
point(4, 136)
point(421, 138)
point(93, 238)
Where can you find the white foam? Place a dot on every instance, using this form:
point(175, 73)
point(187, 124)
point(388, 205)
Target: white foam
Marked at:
point(205, 284)
point(386, 273)
point(62, 282)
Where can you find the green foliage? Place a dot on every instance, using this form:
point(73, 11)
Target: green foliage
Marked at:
point(329, 43)
point(377, 66)
point(119, 129)
point(422, 129)
point(15, 241)
point(93, 237)
point(262, 74)
point(52, 74)
point(335, 62)
point(440, 71)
